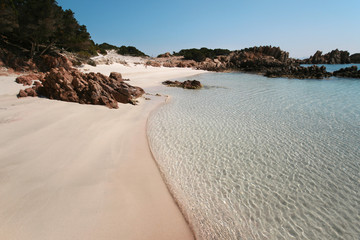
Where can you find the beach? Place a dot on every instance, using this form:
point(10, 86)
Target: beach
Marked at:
point(72, 171)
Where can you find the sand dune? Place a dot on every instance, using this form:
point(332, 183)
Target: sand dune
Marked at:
point(71, 171)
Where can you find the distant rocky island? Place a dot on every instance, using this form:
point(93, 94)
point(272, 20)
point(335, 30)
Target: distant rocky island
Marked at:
point(266, 60)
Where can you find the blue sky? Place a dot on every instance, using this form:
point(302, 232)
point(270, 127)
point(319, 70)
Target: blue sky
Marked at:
point(156, 26)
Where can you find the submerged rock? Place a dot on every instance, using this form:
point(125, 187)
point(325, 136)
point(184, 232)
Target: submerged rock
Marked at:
point(188, 84)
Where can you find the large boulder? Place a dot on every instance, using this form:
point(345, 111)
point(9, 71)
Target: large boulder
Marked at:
point(31, 91)
point(92, 88)
point(355, 58)
point(47, 62)
point(27, 80)
point(191, 84)
point(116, 76)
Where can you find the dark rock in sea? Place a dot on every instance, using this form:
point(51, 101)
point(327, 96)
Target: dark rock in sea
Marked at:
point(355, 58)
point(349, 72)
point(92, 88)
point(172, 83)
point(334, 57)
point(191, 84)
point(312, 72)
point(188, 84)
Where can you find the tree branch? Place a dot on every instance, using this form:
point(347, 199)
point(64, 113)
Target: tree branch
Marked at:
point(12, 44)
point(50, 45)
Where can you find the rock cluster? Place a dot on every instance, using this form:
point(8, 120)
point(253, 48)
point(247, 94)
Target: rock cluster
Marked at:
point(256, 59)
point(334, 57)
point(312, 72)
point(153, 63)
point(91, 88)
point(188, 84)
point(349, 72)
point(47, 62)
point(42, 63)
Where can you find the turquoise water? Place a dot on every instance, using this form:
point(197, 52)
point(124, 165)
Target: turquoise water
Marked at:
point(248, 157)
point(333, 67)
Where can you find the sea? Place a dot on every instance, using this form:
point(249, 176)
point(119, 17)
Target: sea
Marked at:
point(250, 157)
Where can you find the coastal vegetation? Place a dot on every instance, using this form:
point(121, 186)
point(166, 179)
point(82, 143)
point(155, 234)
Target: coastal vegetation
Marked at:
point(123, 50)
point(33, 27)
point(201, 54)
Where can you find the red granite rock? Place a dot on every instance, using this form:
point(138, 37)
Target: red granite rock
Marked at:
point(91, 88)
point(27, 80)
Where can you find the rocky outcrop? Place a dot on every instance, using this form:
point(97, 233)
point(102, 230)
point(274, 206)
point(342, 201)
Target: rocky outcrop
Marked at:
point(42, 63)
point(153, 63)
point(91, 88)
point(250, 62)
point(29, 92)
point(27, 80)
point(256, 59)
point(312, 72)
point(47, 62)
point(270, 51)
point(334, 57)
point(188, 84)
point(355, 58)
point(349, 72)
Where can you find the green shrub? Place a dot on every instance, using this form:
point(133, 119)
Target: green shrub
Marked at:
point(201, 54)
point(91, 62)
point(102, 51)
point(107, 46)
point(84, 54)
point(130, 51)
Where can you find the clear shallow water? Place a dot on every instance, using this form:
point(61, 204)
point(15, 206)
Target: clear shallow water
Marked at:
point(254, 158)
point(333, 67)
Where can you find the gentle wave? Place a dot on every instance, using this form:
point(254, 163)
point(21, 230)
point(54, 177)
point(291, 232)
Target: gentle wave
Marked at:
point(258, 158)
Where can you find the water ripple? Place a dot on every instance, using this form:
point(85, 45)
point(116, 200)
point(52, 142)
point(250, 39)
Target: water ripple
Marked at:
point(256, 158)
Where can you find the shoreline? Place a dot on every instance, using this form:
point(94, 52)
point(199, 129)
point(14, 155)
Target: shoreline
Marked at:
point(65, 176)
point(159, 168)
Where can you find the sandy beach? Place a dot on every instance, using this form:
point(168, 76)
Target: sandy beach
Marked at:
point(71, 171)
